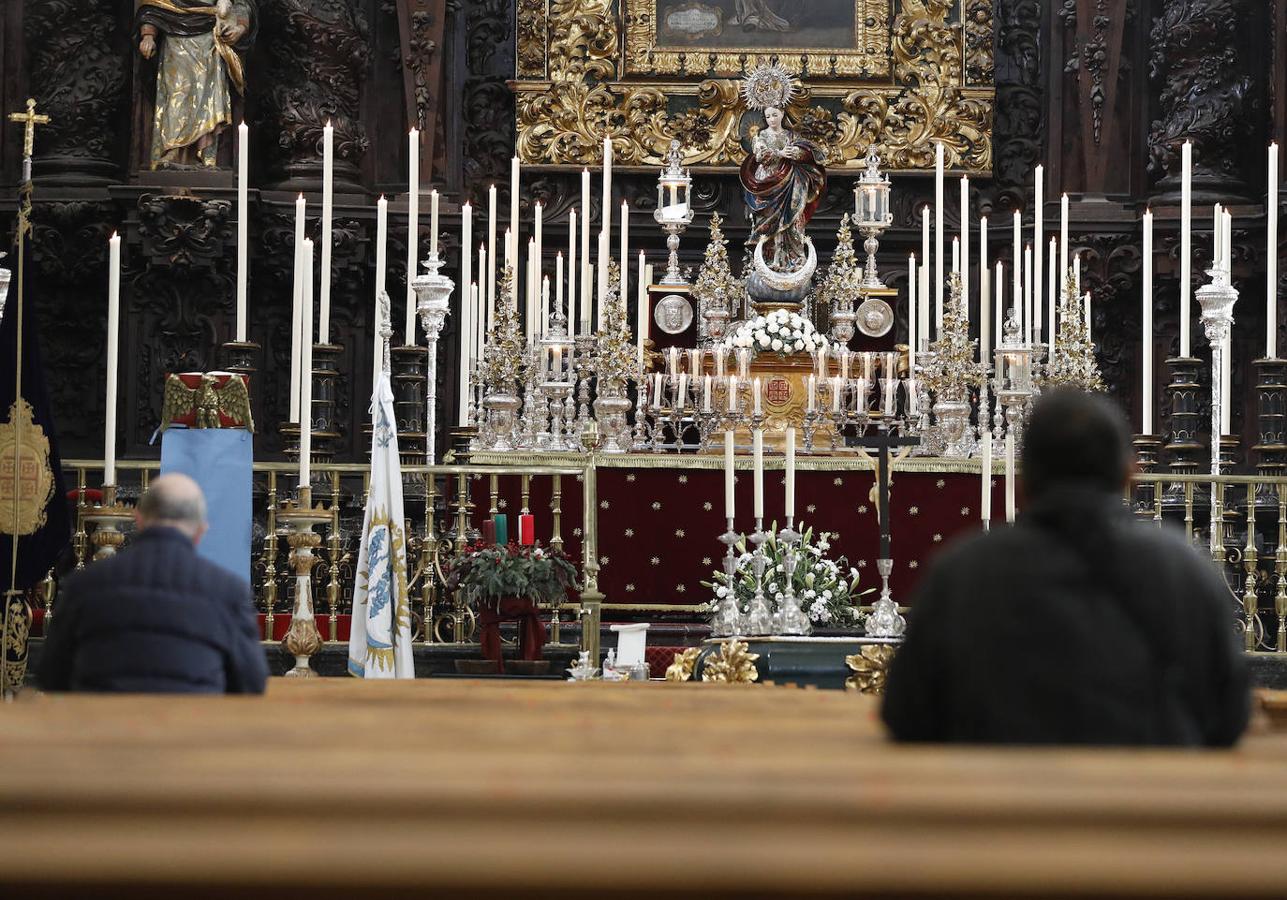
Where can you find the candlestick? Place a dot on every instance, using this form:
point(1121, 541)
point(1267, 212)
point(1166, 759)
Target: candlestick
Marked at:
point(491, 255)
point(1186, 237)
point(985, 475)
point(728, 475)
point(243, 222)
point(297, 306)
point(306, 371)
point(1271, 256)
point(328, 214)
point(790, 475)
point(381, 268)
point(757, 448)
point(938, 235)
point(1038, 213)
point(1009, 477)
point(413, 231)
point(1146, 363)
point(113, 345)
point(433, 222)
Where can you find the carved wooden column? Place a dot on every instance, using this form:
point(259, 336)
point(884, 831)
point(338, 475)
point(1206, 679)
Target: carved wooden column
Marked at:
point(315, 64)
point(76, 64)
point(1204, 97)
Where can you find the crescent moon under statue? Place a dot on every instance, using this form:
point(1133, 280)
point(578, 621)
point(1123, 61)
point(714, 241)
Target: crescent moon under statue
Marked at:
point(785, 281)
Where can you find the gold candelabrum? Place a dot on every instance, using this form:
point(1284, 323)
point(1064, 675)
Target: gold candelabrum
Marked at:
point(302, 638)
point(109, 519)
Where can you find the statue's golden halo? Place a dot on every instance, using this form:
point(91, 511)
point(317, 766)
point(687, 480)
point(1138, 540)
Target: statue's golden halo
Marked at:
point(768, 85)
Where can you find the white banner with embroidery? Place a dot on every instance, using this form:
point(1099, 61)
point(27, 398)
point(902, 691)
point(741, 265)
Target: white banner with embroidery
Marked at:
point(380, 640)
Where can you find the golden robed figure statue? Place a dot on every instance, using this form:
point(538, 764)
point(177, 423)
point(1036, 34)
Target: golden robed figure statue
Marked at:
point(201, 44)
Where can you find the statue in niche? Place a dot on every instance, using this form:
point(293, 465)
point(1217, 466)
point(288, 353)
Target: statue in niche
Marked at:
point(201, 45)
point(783, 177)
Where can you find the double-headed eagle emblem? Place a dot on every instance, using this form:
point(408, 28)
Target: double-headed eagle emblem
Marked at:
point(218, 400)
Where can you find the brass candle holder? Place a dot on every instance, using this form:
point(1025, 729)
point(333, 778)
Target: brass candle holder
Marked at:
point(109, 519)
point(302, 638)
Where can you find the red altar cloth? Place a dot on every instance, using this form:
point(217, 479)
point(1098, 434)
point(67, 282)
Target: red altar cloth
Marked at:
point(659, 519)
point(531, 632)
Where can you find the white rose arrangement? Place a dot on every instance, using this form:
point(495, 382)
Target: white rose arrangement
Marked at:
point(779, 332)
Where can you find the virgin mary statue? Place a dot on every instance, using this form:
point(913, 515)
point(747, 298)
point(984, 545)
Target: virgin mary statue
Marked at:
point(200, 43)
point(783, 177)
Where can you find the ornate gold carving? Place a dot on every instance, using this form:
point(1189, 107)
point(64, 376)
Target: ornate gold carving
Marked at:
point(870, 667)
point(563, 118)
point(733, 664)
point(682, 668)
point(865, 59)
point(24, 452)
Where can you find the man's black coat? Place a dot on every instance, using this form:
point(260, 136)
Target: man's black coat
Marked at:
point(1077, 625)
point(154, 618)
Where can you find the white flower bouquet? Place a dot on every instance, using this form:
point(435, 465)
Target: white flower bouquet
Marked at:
point(826, 589)
point(780, 332)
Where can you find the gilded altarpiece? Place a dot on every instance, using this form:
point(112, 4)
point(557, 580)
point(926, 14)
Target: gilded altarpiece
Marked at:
point(900, 74)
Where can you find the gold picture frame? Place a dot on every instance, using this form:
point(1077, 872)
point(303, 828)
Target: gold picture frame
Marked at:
point(590, 69)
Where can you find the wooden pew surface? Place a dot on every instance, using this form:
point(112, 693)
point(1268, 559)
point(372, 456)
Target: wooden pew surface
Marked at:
point(501, 789)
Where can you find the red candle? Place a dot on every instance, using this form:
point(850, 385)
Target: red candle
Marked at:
point(526, 530)
point(489, 532)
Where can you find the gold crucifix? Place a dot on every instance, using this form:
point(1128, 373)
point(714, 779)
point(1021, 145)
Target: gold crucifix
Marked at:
point(30, 119)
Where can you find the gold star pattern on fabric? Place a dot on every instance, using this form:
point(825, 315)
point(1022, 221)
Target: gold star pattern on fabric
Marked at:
point(940, 484)
point(604, 504)
point(603, 562)
point(913, 565)
point(502, 503)
point(630, 589)
point(838, 481)
point(913, 510)
point(576, 532)
point(679, 589)
point(862, 509)
point(938, 538)
point(965, 510)
point(862, 563)
point(706, 560)
point(630, 532)
point(707, 506)
point(656, 505)
point(679, 532)
point(630, 476)
point(811, 509)
point(683, 479)
point(655, 561)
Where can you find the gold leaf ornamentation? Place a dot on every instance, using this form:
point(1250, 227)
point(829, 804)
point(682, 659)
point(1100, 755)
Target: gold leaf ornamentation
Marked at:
point(870, 667)
point(733, 664)
point(682, 667)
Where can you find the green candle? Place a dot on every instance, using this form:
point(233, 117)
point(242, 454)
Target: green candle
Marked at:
point(501, 521)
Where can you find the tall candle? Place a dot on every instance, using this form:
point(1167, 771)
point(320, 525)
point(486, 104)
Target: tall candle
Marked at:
point(965, 244)
point(755, 395)
point(836, 384)
point(558, 289)
point(297, 306)
point(1076, 278)
point(413, 231)
point(1052, 323)
point(1226, 242)
point(1016, 270)
point(433, 222)
point(729, 507)
point(811, 399)
point(624, 260)
point(985, 294)
point(641, 311)
point(602, 272)
point(491, 255)
point(956, 256)
point(1063, 239)
point(732, 393)
point(113, 354)
point(999, 301)
point(911, 315)
point(1226, 381)
point(243, 223)
point(985, 476)
point(1186, 237)
point(381, 266)
point(706, 393)
point(1217, 235)
point(922, 329)
point(467, 314)
point(1271, 256)
point(586, 285)
point(606, 225)
point(938, 234)
point(1038, 236)
point(1028, 303)
point(545, 305)
point(790, 475)
point(1086, 307)
point(1009, 477)
point(306, 371)
point(757, 448)
point(328, 214)
point(513, 220)
point(572, 313)
point(1146, 363)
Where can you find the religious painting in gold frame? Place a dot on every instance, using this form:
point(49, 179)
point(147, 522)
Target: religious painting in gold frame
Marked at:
point(907, 75)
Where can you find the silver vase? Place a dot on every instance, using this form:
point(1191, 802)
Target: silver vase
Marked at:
point(501, 410)
point(610, 409)
point(953, 418)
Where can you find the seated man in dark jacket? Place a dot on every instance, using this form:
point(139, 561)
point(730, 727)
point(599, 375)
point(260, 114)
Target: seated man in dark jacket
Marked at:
point(1077, 625)
point(156, 617)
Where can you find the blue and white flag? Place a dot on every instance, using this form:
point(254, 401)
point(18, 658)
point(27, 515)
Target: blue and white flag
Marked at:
point(380, 638)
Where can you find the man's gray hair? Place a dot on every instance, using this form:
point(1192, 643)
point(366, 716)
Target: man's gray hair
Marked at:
point(173, 499)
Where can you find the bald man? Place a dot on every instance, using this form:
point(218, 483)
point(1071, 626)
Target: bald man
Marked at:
point(156, 618)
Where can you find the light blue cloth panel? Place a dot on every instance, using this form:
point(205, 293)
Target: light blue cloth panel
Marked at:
point(218, 459)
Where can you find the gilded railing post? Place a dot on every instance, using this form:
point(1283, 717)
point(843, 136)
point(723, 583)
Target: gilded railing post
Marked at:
point(591, 599)
point(556, 543)
point(428, 553)
point(333, 554)
point(270, 558)
point(80, 543)
point(1249, 560)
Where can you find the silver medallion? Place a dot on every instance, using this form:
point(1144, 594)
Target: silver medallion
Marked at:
point(673, 314)
point(875, 317)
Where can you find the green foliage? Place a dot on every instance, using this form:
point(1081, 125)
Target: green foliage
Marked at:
point(494, 572)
